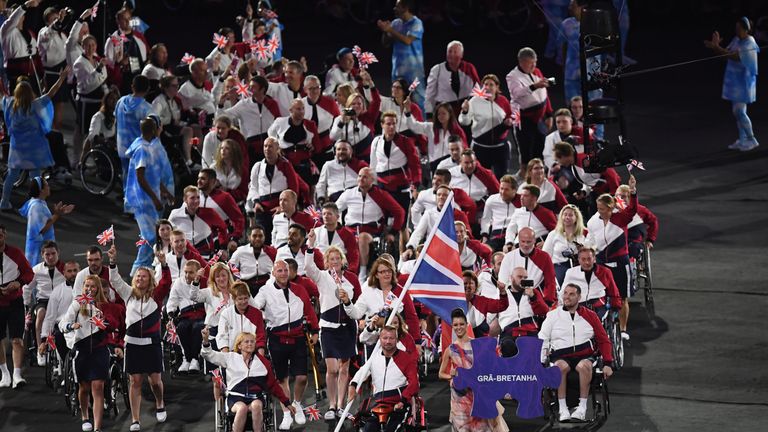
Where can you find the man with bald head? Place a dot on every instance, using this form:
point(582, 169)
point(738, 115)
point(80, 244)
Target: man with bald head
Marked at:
point(321, 110)
point(287, 216)
point(536, 262)
point(525, 303)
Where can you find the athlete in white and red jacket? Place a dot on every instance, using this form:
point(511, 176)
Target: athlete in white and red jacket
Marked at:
point(395, 160)
point(537, 217)
point(269, 177)
point(297, 136)
point(358, 129)
point(518, 319)
point(450, 81)
point(368, 206)
point(537, 263)
point(498, 212)
point(321, 110)
point(477, 181)
point(202, 226)
point(596, 283)
point(222, 202)
point(332, 233)
point(338, 174)
point(254, 260)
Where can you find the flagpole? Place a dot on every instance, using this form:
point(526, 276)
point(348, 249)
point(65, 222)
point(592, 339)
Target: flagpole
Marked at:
point(396, 304)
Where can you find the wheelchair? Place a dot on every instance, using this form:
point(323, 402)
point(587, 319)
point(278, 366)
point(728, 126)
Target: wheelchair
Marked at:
point(116, 386)
point(71, 386)
point(415, 417)
point(598, 403)
point(225, 418)
point(30, 317)
point(100, 168)
point(53, 368)
point(643, 275)
point(611, 324)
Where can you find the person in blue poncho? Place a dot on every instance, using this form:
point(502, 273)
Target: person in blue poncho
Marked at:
point(28, 121)
point(149, 183)
point(740, 81)
point(40, 220)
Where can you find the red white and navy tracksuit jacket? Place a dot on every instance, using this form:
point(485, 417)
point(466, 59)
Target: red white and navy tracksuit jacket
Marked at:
point(247, 380)
point(335, 177)
point(596, 285)
point(372, 301)
point(254, 263)
point(359, 131)
point(539, 267)
point(284, 95)
point(268, 180)
point(427, 200)
point(445, 85)
point(45, 279)
point(571, 335)
point(89, 337)
point(603, 182)
point(474, 252)
point(232, 322)
point(180, 299)
point(343, 238)
point(477, 185)
point(395, 162)
point(403, 121)
point(644, 226)
point(254, 117)
point(497, 214)
point(142, 316)
point(534, 104)
point(394, 379)
point(369, 212)
point(487, 120)
point(295, 139)
point(610, 239)
point(332, 313)
point(205, 229)
point(541, 220)
point(175, 264)
point(322, 113)
point(285, 310)
point(281, 223)
point(103, 274)
point(436, 144)
point(518, 318)
point(15, 268)
point(550, 196)
point(226, 207)
point(480, 306)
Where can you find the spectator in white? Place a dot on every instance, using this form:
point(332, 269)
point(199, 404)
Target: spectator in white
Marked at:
point(332, 233)
point(157, 67)
point(126, 47)
point(519, 318)
point(20, 48)
point(90, 72)
point(426, 201)
point(472, 252)
point(367, 209)
point(535, 261)
point(439, 134)
point(49, 273)
point(321, 110)
point(455, 146)
point(181, 252)
point(285, 92)
point(222, 129)
point(298, 139)
point(528, 89)
point(256, 114)
point(395, 160)
point(339, 174)
point(52, 44)
point(450, 81)
point(167, 105)
point(58, 303)
point(295, 247)
point(255, 260)
point(477, 181)
point(96, 267)
point(357, 124)
point(563, 243)
point(269, 177)
point(212, 196)
point(491, 119)
point(342, 72)
point(103, 127)
point(202, 226)
point(225, 55)
point(530, 214)
point(498, 212)
point(287, 216)
point(197, 92)
point(189, 315)
point(566, 131)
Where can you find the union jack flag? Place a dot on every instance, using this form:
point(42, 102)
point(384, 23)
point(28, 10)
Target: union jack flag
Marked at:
point(51, 342)
point(436, 279)
point(219, 40)
point(98, 322)
point(118, 39)
point(171, 335)
point(335, 275)
point(217, 378)
point(356, 51)
point(516, 115)
point(260, 49)
point(635, 163)
point(414, 85)
point(273, 44)
point(235, 271)
point(188, 58)
point(242, 90)
point(221, 306)
point(314, 213)
point(141, 241)
point(106, 236)
point(366, 59)
point(215, 258)
point(84, 299)
point(620, 203)
point(94, 10)
point(312, 412)
point(480, 92)
point(426, 341)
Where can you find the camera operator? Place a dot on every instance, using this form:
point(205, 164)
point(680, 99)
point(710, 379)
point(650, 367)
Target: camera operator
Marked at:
point(525, 302)
point(528, 89)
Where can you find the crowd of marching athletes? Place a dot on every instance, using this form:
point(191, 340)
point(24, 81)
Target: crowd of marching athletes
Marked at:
point(311, 203)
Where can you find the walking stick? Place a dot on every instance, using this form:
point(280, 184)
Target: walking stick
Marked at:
point(319, 392)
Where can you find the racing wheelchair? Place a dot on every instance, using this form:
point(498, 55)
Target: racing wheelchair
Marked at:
point(598, 403)
point(414, 419)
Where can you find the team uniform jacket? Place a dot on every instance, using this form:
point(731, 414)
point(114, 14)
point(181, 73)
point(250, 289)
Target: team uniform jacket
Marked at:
point(88, 77)
point(402, 125)
point(368, 213)
point(214, 303)
point(541, 220)
point(58, 304)
point(557, 137)
point(335, 77)
point(89, 336)
point(321, 113)
point(518, 317)
point(77, 287)
point(556, 243)
point(175, 264)
point(15, 268)
point(540, 269)
point(436, 144)
point(372, 301)
point(533, 104)
point(550, 196)
point(202, 228)
point(429, 219)
point(253, 264)
point(636, 227)
point(255, 118)
point(603, 182)
point(284, 95)
point(426, 201)
point(343, 238)
point(594, 289)
point(232, 323)
point(570, 335)
point(497, 214)
point(487, 120)
point(285, 310)
point(110, 49)
point(281, 223)
point(267, 181)
point(296, 152)
point(53, 47)
point(332, 313)
point(44, 281)
point(395, 162)
point(610, 239)
point(225, 206)
point(200, 98)
point(284, 251)
point(477, 185)
point(142, 316)
point(394, 379)
point(14, 44)
point(180, 299)
point(445, 85)
point(244, 380)
point(359, 131)
point(335, 177)
point(474, 252)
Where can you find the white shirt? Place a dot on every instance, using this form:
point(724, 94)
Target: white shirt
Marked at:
point(53, 47)
point(519, 84)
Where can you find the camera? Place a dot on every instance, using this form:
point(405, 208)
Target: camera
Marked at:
point(526, 283)
point(384, 312)
point(567, 253)
point(551, 81)
point(349, 112)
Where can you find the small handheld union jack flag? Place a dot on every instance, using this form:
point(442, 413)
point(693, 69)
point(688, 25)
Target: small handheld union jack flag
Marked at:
point(242, 90)
point(118, 39)
point(414, 85)
point(620, 203)
point(635, 163)
point(273, 44)
point(260, 49)
point(235, 271)
point(98, 322)
point(84, 299)
point(94, 10)
point(426, 341)
point(516, 120)
point(171, 335)
point(219, 40)
point(188, 58)
point(480, 92)
point(314, 213)
point(106, 236)
point(51, 342)
point(313, 414)
point(335, 275)
point(217, 378)
point(366, 59)
point(141, 241)
point(356, 51)
point(215, 258)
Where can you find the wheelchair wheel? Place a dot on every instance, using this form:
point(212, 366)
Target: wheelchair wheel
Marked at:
point(29, 336)
point(617, 343)
point(70, 388)
point(51, 364)
point(601, 407)
point(98, 172)
point(650, 305)
point(221, 424)
point(117, 388)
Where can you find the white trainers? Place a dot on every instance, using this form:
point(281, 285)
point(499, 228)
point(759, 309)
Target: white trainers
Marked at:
point(41, 360)
point(161, 415)
point(330, 414)
point(87, 426)
point(565, 415)
point(135, 427)
point(6, 381)
point(287, 421)
point(18, 381)
point(624, 336)
point(299, 417)
point(194, 366)
point(184, 366)
point(579, 414)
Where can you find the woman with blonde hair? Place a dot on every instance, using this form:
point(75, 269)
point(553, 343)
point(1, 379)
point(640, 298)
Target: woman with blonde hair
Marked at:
point(563, 243)
point(216, 296)
point(356, 124)
point(232, 169)
point(550, 195)
point(143, 350)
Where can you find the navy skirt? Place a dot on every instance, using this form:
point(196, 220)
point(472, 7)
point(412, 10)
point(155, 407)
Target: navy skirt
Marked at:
point(91, 366)
point(143, 359)
point(338, 343)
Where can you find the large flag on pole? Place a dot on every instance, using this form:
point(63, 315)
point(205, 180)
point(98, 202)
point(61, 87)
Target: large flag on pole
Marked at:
point(436, 279)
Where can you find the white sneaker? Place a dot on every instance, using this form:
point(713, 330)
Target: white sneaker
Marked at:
point(624, 336)
point(6, 381)
point(299, 416)
point(161, 415)
point(735, 146)
point(194, 366)
point(287, 421)
point(19, 381)
point(748, 145)
point(87, 426)
point(41, 360)
point(184, 366)
point(135, 427)
point(579, 414)
point(330, 414)
point(564, 415)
